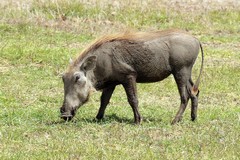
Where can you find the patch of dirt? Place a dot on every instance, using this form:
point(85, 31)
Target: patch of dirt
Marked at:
point(203, 5)
point(220, 62)
point(4, 66)
point(230, 46)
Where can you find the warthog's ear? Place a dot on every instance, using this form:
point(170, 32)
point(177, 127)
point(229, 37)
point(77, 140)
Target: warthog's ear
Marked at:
point(89, 63)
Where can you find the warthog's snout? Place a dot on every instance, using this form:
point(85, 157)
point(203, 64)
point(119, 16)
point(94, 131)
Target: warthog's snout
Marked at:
point(67, 115)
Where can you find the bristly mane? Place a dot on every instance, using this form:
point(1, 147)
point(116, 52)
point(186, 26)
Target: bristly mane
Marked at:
point(136, 36)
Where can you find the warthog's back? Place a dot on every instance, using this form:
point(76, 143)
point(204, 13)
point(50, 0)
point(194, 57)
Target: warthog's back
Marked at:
point(152, 58)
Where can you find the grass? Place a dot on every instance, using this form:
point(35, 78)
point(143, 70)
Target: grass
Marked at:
point(38, 37)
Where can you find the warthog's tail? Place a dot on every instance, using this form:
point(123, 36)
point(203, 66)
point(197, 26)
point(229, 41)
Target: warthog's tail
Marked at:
point(196, 85)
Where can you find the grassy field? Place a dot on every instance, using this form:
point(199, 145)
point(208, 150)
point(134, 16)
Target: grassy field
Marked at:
point(38, 37)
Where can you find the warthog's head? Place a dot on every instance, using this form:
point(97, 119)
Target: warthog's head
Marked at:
point(77, 87)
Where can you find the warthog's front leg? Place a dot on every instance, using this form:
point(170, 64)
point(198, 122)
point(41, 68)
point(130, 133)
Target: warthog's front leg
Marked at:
point(131, 91)
point(106, 95)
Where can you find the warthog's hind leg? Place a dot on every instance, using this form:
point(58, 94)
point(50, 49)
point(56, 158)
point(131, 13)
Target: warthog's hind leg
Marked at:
point(194, 100)
point(182, 77)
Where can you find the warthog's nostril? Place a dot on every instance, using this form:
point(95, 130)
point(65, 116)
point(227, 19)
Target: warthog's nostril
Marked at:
point(67, 115)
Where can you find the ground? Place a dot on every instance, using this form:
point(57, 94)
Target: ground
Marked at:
point(38, 38)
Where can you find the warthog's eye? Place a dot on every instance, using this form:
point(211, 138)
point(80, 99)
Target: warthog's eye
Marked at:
point(77, 77)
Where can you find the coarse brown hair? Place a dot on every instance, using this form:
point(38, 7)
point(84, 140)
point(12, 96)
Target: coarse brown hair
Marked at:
point(133, 36)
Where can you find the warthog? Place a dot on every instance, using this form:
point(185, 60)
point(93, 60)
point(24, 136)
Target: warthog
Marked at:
point(131, 58)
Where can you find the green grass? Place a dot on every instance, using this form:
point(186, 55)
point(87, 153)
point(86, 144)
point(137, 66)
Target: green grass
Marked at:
point(35, 47)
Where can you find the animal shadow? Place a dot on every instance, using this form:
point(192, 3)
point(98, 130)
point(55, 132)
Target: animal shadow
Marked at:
point(109, 119)
point(106, 120)
point(115, 118)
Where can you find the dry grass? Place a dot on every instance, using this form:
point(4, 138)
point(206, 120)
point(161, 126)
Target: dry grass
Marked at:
point(102, 17)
